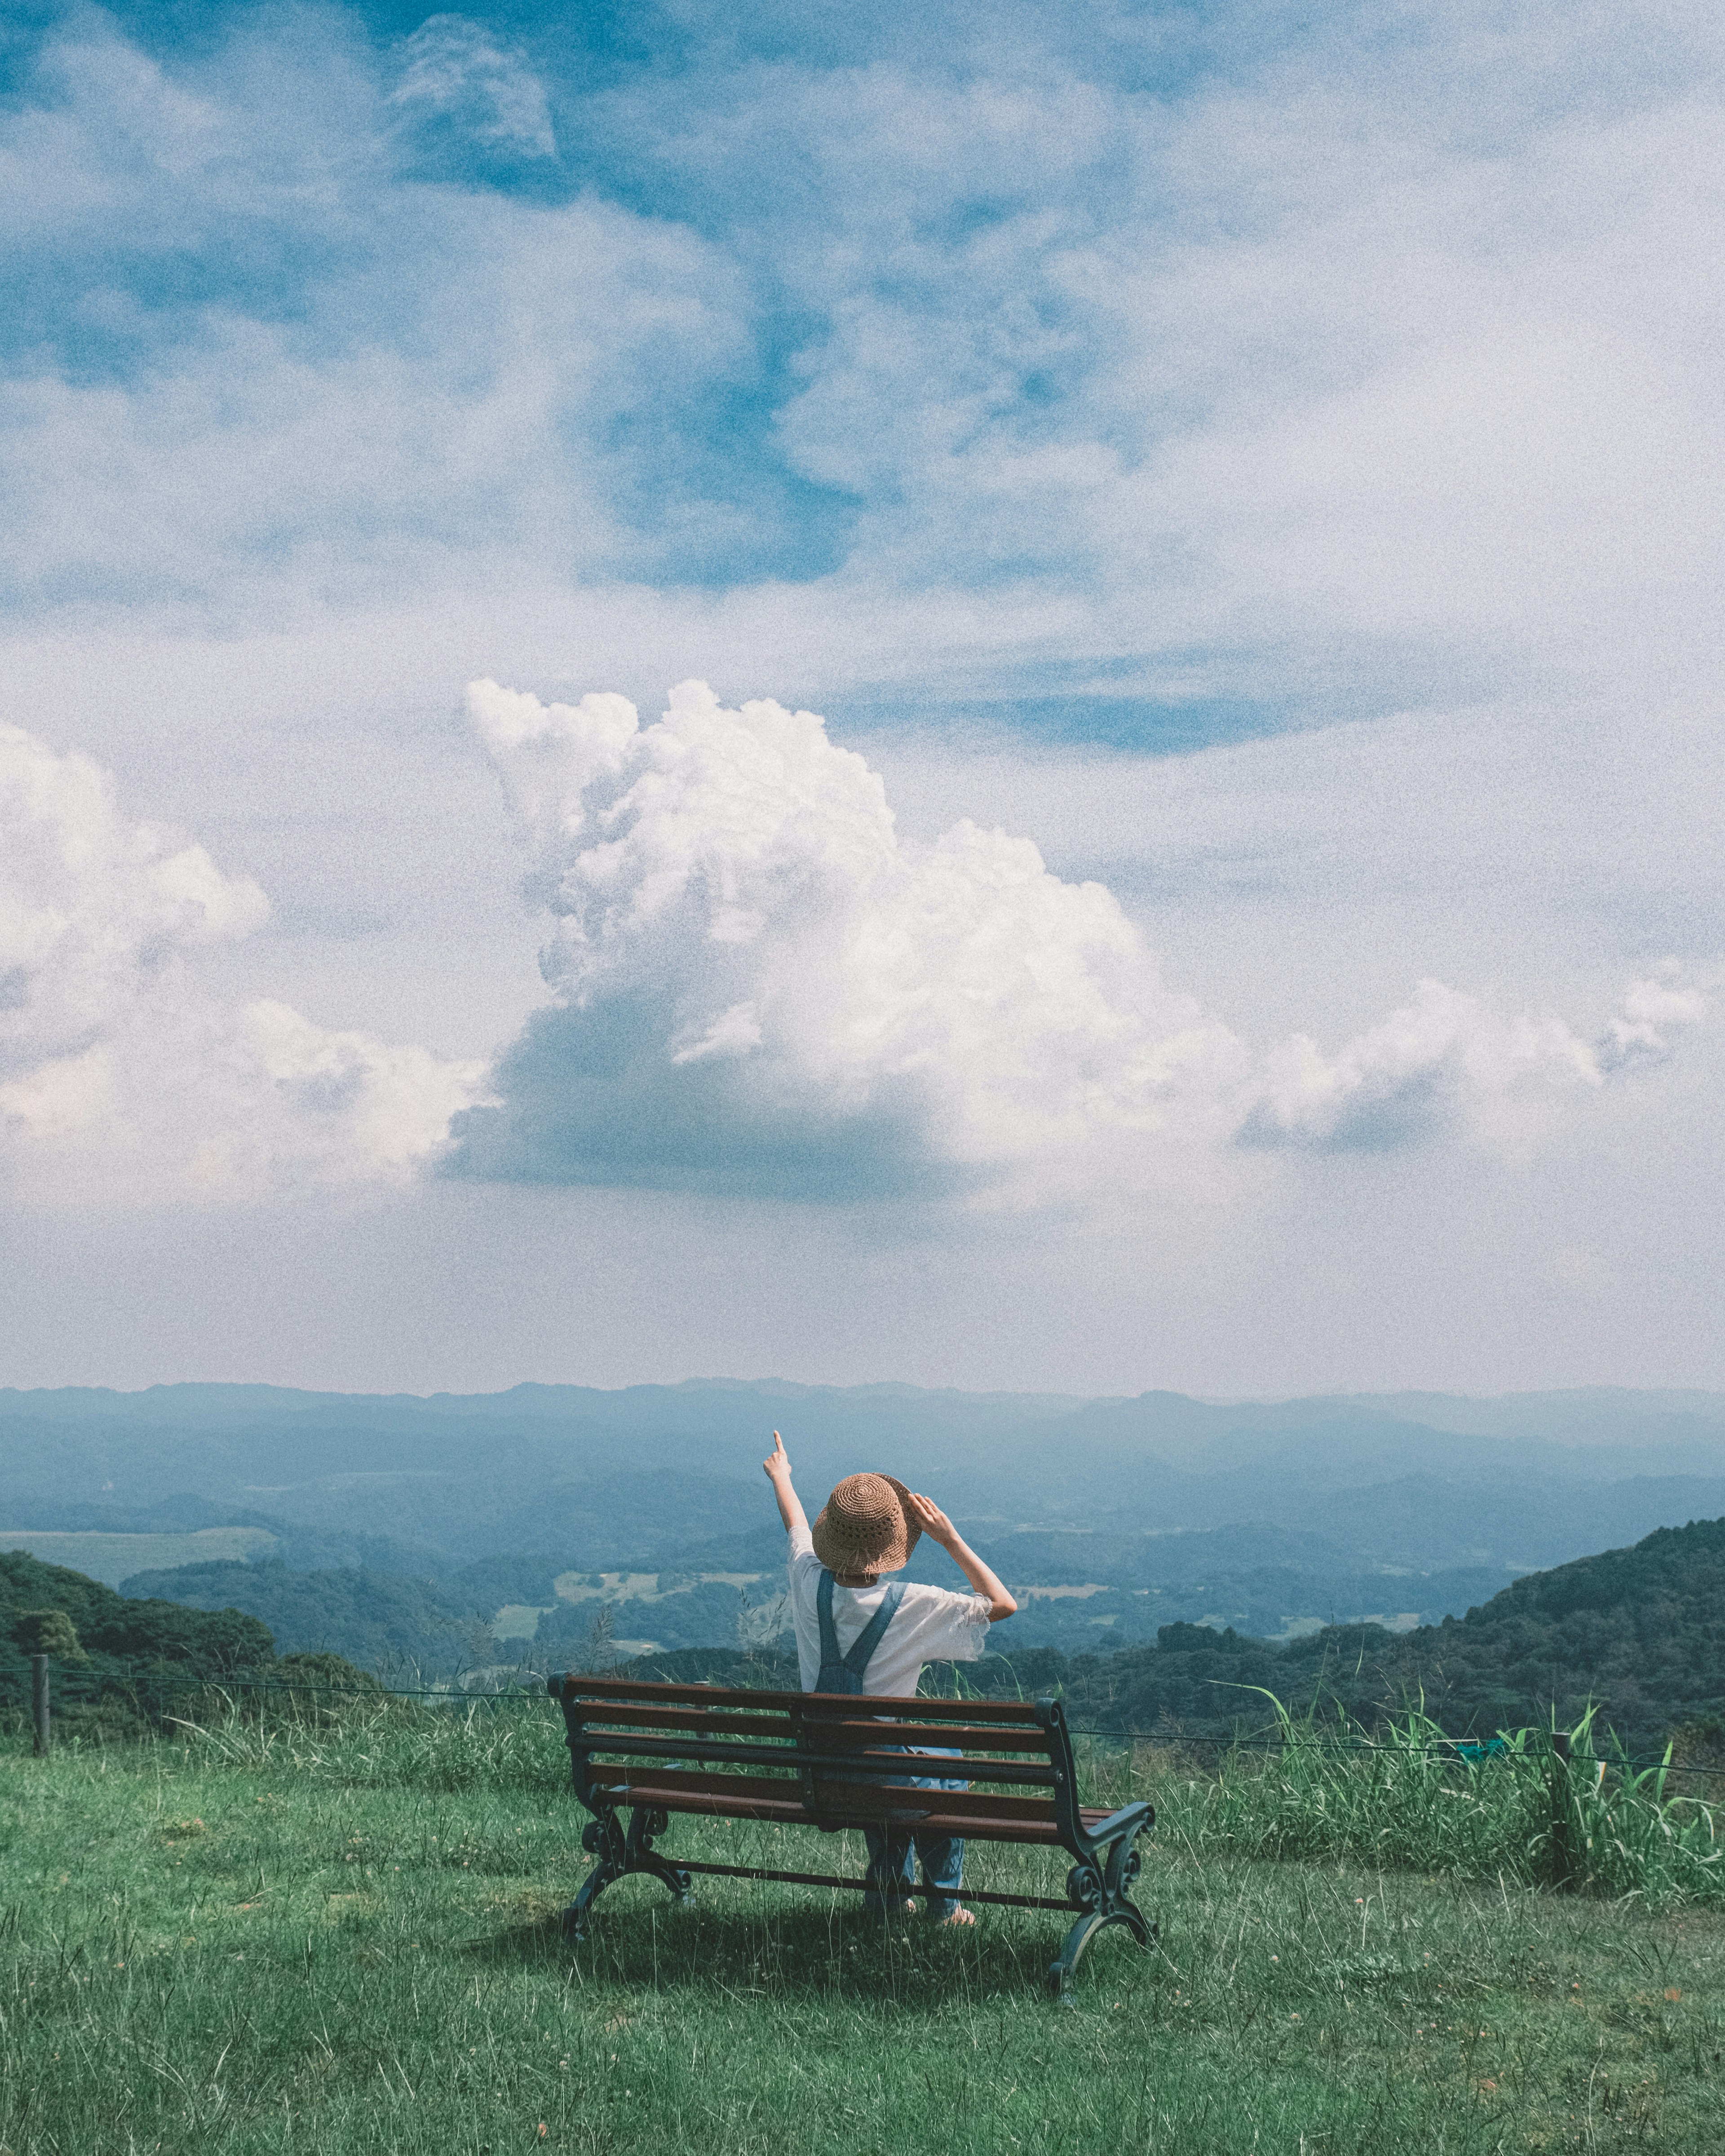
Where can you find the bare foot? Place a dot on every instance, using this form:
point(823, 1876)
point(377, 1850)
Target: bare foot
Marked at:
point(956, 1918)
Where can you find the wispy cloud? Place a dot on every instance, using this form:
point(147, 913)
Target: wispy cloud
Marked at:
point(453, 68)
point(1051, 368)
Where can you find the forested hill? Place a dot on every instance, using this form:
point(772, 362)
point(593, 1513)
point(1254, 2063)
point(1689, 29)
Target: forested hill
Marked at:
point(1638, 1632)
point(126, 1663)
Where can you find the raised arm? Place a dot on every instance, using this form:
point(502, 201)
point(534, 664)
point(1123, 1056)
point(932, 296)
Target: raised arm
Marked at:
point(778, 1466)
point(934, 1523)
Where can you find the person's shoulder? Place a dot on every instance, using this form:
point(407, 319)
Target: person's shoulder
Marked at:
point(938, 1601)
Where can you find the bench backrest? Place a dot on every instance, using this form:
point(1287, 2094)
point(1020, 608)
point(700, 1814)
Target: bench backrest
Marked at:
point(831, 1750)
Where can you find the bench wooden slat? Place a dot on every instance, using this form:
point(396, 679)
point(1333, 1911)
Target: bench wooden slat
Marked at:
point(629, 1744)
point(781, 1801)
point(666, 1797)
point(700, 1719)
point(980, 1826)
point(862, 1730)
point(835, 1803)
point(864, 1798)
point(854, 1707)
point(842, 1705)
point(879, 1730)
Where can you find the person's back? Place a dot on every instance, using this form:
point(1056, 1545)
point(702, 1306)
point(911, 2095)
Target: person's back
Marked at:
point(858, 1633)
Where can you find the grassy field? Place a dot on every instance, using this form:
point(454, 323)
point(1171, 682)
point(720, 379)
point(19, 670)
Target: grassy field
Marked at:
point(346, 1941)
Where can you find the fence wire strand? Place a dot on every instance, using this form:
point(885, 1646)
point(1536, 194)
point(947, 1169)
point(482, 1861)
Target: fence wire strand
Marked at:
point(1456, 1751)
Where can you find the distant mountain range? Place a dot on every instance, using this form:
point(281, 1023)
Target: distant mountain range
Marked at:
point(1273, 1517)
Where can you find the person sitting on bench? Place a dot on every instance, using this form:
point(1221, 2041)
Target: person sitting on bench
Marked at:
point(855, 1634)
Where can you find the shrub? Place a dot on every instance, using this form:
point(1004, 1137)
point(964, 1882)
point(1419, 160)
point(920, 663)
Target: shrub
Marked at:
point(48, 1632)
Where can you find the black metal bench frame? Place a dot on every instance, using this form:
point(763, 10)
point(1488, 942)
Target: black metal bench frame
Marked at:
point(832, 1762)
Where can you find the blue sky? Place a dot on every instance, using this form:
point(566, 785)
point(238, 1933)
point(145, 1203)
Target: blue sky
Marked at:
point(1269, 461)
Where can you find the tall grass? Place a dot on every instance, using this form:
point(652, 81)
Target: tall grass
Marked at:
point(373, 1741)
point(1407, 1799)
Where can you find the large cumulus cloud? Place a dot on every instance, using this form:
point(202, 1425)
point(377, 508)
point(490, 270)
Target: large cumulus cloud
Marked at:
point(762, 989)
point(118, 1072)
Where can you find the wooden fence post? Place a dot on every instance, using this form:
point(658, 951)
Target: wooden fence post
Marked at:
point(1563, 1865)
point(44, 1735)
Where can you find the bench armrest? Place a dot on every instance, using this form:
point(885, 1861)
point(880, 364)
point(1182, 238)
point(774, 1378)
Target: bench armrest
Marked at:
point(1127, 1820)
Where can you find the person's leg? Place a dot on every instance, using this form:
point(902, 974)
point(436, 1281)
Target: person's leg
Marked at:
point(943, 1861)
point(889, 1874)
point(943, 1856)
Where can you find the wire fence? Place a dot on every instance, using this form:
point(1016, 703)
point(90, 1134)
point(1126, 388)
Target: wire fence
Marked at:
point(150, 1694)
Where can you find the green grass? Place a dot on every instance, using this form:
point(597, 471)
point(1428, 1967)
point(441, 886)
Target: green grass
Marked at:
point(1405, 1799)
point(346, 1939)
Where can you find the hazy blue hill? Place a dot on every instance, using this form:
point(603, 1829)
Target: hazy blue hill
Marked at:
point(1430, 1520)
point(1638, 1631)
point(1599, 1414)
point(1333, 1506)
point(705, 1615)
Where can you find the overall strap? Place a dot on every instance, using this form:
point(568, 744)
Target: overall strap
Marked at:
point(829, 1655)
point(857, 1660)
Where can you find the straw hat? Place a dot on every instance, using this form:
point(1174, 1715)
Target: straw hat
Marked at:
point(865, 1526)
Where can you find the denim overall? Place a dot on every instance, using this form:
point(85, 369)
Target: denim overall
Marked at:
point(890, 1873)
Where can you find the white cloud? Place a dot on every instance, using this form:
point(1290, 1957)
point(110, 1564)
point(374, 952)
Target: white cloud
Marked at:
point(1639, 1032)
point(1160, 384)
point(1431, 1064)
point(93, 908)
point(118, 1075)
point(763, 987)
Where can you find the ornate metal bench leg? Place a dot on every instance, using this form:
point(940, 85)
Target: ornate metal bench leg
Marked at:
point(1124, 1864)
point(603, 1839)
point(1103, 1898)
point(1061, 1970)
point(642, 1856)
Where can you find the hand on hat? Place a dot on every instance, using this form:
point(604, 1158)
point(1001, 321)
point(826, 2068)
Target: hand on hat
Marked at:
point(923, 1513)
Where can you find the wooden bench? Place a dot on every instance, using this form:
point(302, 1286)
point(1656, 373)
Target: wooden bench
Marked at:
point(827, 1760)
